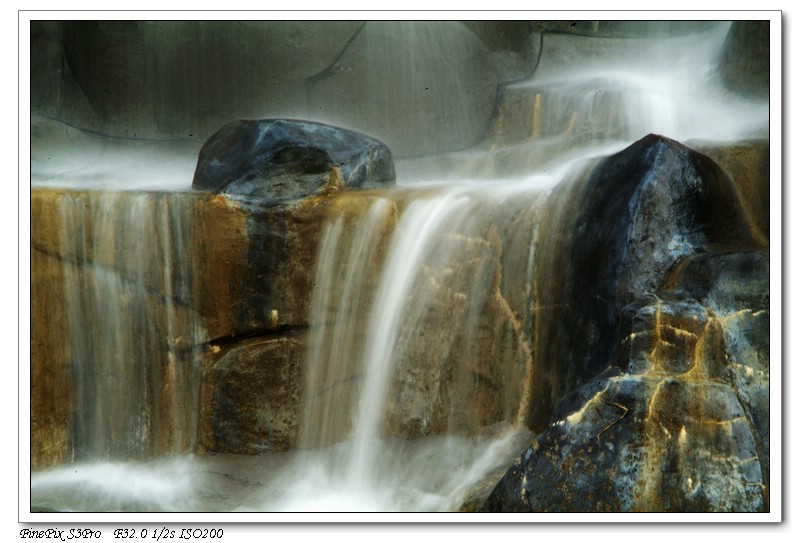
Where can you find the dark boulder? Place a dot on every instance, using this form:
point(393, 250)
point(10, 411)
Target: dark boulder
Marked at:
point(611, 237)
point(652, 322)
point(683, 426)
point(280, 160)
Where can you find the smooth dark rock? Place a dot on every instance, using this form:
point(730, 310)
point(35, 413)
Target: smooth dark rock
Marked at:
point(744, 62)
point(283, 159)
point(747, 163)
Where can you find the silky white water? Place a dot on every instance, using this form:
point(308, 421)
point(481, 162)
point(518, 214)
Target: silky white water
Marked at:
point(411, 299)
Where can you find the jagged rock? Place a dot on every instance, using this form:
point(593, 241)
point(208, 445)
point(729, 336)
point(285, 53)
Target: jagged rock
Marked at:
point(664, 260)
point(610, 238)
point(280, 159)
point(641, 443)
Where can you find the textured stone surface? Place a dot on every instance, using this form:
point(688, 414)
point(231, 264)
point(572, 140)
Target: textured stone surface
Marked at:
point(678, 421)
point(642, 443)
point(609, 238)
point(275, 160)
point(682, 424)
point(251, 395)
point(735, 288)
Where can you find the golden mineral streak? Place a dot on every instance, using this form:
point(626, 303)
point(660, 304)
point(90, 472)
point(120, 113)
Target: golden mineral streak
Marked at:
point(536, 120)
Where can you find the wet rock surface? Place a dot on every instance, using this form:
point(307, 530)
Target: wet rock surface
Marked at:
point(277, 160)
point(376, 87)
point(184, 79)
point(747, 164)
point(609, 238)
point(676, 415)
point(644, 442)
point(252, 395)
point(746, 51)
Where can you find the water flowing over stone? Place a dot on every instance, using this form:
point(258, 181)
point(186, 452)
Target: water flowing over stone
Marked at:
point(132, 335)
point(406, 345)
point(562, 303)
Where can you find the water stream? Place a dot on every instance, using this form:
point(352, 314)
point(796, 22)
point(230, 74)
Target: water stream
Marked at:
point(423, 305)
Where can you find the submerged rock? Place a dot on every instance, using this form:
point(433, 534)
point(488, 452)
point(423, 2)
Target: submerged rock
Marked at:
point(280, 160)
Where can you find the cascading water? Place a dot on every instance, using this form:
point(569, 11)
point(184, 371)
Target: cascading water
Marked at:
point(135, 366)
point(420, 349)
point(419, 287)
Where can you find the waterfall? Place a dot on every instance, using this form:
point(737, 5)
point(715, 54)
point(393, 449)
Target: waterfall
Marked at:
point(408, 296)
point(420, 353)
